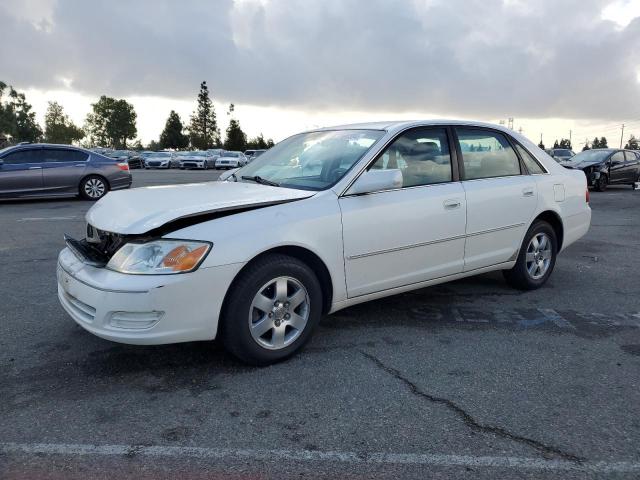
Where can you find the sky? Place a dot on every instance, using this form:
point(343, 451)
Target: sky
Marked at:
point(555, 66)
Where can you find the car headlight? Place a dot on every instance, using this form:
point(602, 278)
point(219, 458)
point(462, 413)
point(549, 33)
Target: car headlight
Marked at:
point(159, 257)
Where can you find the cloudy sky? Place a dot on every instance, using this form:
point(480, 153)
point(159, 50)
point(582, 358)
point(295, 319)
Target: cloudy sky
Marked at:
point(553, 65)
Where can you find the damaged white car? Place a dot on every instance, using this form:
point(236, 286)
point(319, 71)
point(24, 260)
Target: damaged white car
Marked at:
point(324, 220)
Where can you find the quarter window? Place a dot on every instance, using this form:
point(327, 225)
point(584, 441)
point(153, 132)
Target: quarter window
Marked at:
point(486, 154)
point(422, 155)
point(532, 164)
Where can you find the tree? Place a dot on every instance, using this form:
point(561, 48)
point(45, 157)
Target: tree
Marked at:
point(203, 127)
point(137, 145)
point(153, 146)
point(17, 121)
point(586, 145)
point(556, 144)
point(172, 136)
point(57, 126)
point(603, 143)
point(236, 138)
point(111, 123)
point(632, 144)
point(541, 145)
point(595, 143)
point(565, 143)
point(257, 143)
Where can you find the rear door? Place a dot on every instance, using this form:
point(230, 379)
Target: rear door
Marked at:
point(501, 196)
point(21, 172)
point(62, 169)
point(632, 165)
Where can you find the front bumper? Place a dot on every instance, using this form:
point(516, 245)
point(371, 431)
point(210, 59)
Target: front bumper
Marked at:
point(143, 309)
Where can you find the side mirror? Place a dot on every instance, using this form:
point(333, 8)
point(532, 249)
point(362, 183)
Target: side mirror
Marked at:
point(376, 181)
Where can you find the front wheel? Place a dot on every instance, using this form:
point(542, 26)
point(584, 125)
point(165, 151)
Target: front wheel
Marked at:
point(271, 310)
point(536, 259)
point(602, 183)
point(93, 187)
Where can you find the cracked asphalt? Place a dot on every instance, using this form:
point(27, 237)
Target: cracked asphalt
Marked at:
point(464, 380)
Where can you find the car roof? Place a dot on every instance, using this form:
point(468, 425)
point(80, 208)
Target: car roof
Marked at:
point(403, 124)
point(26, 146)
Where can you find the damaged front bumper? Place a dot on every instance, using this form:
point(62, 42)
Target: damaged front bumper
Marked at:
point(142, 309)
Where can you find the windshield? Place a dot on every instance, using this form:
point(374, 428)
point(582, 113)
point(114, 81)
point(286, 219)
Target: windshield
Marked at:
point(230, 154)
point(562, 153)
point(591, 156)
point(312, 161)
point(160, 155)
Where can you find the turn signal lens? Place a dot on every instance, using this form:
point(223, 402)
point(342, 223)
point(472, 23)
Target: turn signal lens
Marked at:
point(123, 166)
point(180, 259)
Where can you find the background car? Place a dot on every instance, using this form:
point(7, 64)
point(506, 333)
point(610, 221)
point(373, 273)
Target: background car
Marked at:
point(231, 160)
point(608, 166)
point(252, 154)
point(560, 154)
point(37, 170)
point(196, 159)
point(158, 160)
point(212, 155)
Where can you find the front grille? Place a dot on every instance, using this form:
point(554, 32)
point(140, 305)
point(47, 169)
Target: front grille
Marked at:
point(83, 311)
point(190, 164)
point(153, 164)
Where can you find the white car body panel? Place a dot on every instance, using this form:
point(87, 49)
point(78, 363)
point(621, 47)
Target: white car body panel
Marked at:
point(372, 245)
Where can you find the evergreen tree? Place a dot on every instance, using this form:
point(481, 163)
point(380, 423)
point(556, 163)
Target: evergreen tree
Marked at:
point(595, 143)
point(236, 138)
point(586, 145)
point(172, 136)
point(565, 143)
point(632, 144)
point(541, 145)
point(556, 145)
point(58, 128)
point(603, 142)
point(203, 129)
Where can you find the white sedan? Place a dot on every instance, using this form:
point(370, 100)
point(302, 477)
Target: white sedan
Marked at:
point(231, 160)
point(324, 220)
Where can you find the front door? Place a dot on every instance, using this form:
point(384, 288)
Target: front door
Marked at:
point(411, 234)
point(617, 170)
point(501, 198)
point(21, 173)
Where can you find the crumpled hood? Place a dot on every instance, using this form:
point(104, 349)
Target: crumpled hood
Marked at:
point(583, 164)
point(140, 210)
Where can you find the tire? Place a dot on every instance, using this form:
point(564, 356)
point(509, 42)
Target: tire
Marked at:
point(258, 337)
point(93, 187)
point(601, 184)
point(534, 265)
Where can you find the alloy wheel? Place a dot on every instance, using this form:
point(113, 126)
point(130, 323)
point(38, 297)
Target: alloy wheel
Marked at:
point(279, 313)
point(94, 188)
point(538, 256)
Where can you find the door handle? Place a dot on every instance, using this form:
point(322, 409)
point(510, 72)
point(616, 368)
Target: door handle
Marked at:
point(452, 204)
point(527, 192)
point(35, 168)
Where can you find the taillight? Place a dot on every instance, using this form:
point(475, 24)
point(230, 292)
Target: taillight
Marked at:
point(123, 166)
point(586, 195)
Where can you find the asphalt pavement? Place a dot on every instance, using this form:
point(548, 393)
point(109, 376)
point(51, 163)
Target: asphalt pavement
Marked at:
point(469, 379)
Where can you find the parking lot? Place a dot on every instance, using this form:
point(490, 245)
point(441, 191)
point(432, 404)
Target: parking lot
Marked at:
point(469, 379)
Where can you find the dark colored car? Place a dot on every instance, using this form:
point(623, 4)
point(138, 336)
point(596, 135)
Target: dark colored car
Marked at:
point(560, 155)
point(38, 170)
point(607, 166)
point(132, 158)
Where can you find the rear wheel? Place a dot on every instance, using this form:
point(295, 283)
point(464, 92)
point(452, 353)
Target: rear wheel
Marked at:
point(602, 183)
point(93, 187)
point(536, 259)
point(271, 311)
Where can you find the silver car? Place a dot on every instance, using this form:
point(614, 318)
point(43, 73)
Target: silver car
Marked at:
point(39, 170)
point(158, 160)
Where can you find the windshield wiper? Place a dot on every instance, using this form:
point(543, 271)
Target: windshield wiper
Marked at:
point(260, 180)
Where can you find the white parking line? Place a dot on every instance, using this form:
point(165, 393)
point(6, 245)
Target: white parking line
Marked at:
point(330, 456)
point(45, 219)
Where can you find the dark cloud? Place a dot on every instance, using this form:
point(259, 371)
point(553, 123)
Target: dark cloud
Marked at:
point(483, 58)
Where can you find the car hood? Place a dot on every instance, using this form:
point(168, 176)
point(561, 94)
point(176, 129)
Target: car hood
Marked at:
point(584, 164)
point(140, 210)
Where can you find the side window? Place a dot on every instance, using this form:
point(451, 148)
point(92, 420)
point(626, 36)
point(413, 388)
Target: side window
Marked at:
point(617, 158)
point(486, 154)
point(21, 156)
point(532, 164)
point(422, 155)
point(58, 155)
point(632, 156)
